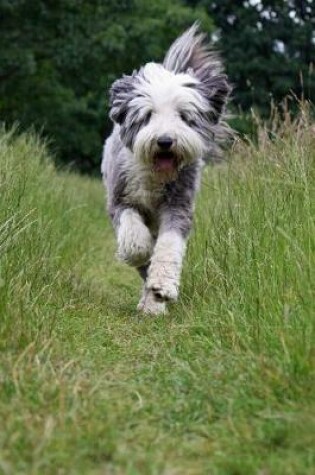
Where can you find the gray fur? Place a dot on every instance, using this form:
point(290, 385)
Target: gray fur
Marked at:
point(172, 207)
point(178, 201)
point(161, 206)
point(190, 52)
point(130, 118)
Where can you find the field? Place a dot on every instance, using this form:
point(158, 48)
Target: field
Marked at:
point(223, 385)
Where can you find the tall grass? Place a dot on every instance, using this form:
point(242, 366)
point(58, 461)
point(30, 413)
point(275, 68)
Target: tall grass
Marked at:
point(223, 385)
point(253, 250)
point(42, 236)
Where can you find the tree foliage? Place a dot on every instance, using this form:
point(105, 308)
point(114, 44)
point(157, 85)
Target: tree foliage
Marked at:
point(58, 58)
point(268, 46)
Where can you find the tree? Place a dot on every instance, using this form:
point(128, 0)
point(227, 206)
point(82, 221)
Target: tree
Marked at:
point(268, 47)
point(58, 59)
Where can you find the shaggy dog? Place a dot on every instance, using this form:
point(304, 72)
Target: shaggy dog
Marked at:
point(168, 119)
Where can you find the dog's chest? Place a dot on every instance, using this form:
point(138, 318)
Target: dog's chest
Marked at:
point(142, 192)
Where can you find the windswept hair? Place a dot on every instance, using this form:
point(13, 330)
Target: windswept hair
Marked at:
point(191, 53)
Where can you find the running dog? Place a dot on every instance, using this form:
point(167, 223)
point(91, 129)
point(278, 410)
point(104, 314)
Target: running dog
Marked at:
point(168, 120)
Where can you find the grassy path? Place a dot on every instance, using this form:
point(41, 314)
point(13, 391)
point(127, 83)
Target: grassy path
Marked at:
point(223, 385)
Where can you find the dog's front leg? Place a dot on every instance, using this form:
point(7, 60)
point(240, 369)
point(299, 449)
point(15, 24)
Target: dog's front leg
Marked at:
point(148, 301)
point(175, 221)
point(176, 215)
point(135, 242)
point(166, 262)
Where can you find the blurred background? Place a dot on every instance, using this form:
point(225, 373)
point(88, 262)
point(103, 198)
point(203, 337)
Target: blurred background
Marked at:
point(59, 57)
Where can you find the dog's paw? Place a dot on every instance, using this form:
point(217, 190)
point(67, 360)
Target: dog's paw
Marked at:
point(163, 285)
point(164, 291)
point(149, 304)
point(135, 243)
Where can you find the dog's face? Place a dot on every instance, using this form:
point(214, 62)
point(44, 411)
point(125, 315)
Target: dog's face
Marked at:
point(168, 113)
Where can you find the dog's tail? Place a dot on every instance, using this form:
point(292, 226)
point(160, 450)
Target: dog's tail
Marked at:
point(191, 51)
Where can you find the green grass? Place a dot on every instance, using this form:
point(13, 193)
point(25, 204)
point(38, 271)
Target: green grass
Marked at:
point(222, 385)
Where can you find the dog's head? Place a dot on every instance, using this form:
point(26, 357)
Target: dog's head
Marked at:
point(170, 113)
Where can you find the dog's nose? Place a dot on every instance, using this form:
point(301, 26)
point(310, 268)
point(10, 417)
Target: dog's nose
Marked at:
point(164, 142)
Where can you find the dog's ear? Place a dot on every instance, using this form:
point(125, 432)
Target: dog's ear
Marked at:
point(191, 54)
point(188, 51)
point(216, 91)
point(120, 94)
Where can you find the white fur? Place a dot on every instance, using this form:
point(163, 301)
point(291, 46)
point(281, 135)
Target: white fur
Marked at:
point(166, 265)
point(149, 304)
point(164, 95)
point(135, 243)
point(141, 188)
point(182, 100)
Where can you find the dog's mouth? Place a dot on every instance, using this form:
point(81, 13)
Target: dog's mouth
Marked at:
point(165, 162)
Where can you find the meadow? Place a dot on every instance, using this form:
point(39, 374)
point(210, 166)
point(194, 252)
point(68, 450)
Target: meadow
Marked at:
point(222, 385)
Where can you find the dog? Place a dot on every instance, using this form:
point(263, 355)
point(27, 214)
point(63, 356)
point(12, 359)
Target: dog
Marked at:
point(169, 119)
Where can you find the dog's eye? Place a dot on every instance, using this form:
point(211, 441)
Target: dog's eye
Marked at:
point(147, 118)
point(185, 118)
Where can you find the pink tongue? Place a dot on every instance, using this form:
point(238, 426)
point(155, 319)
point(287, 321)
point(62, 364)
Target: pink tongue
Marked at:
point(164, 164)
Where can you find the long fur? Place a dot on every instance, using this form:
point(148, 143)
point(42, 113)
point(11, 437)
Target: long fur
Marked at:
point(184, 100)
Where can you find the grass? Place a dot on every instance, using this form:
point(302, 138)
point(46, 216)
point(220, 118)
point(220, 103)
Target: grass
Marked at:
point(222, 385)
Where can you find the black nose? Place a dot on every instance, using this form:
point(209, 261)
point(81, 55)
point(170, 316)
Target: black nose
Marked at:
point(164, 142)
